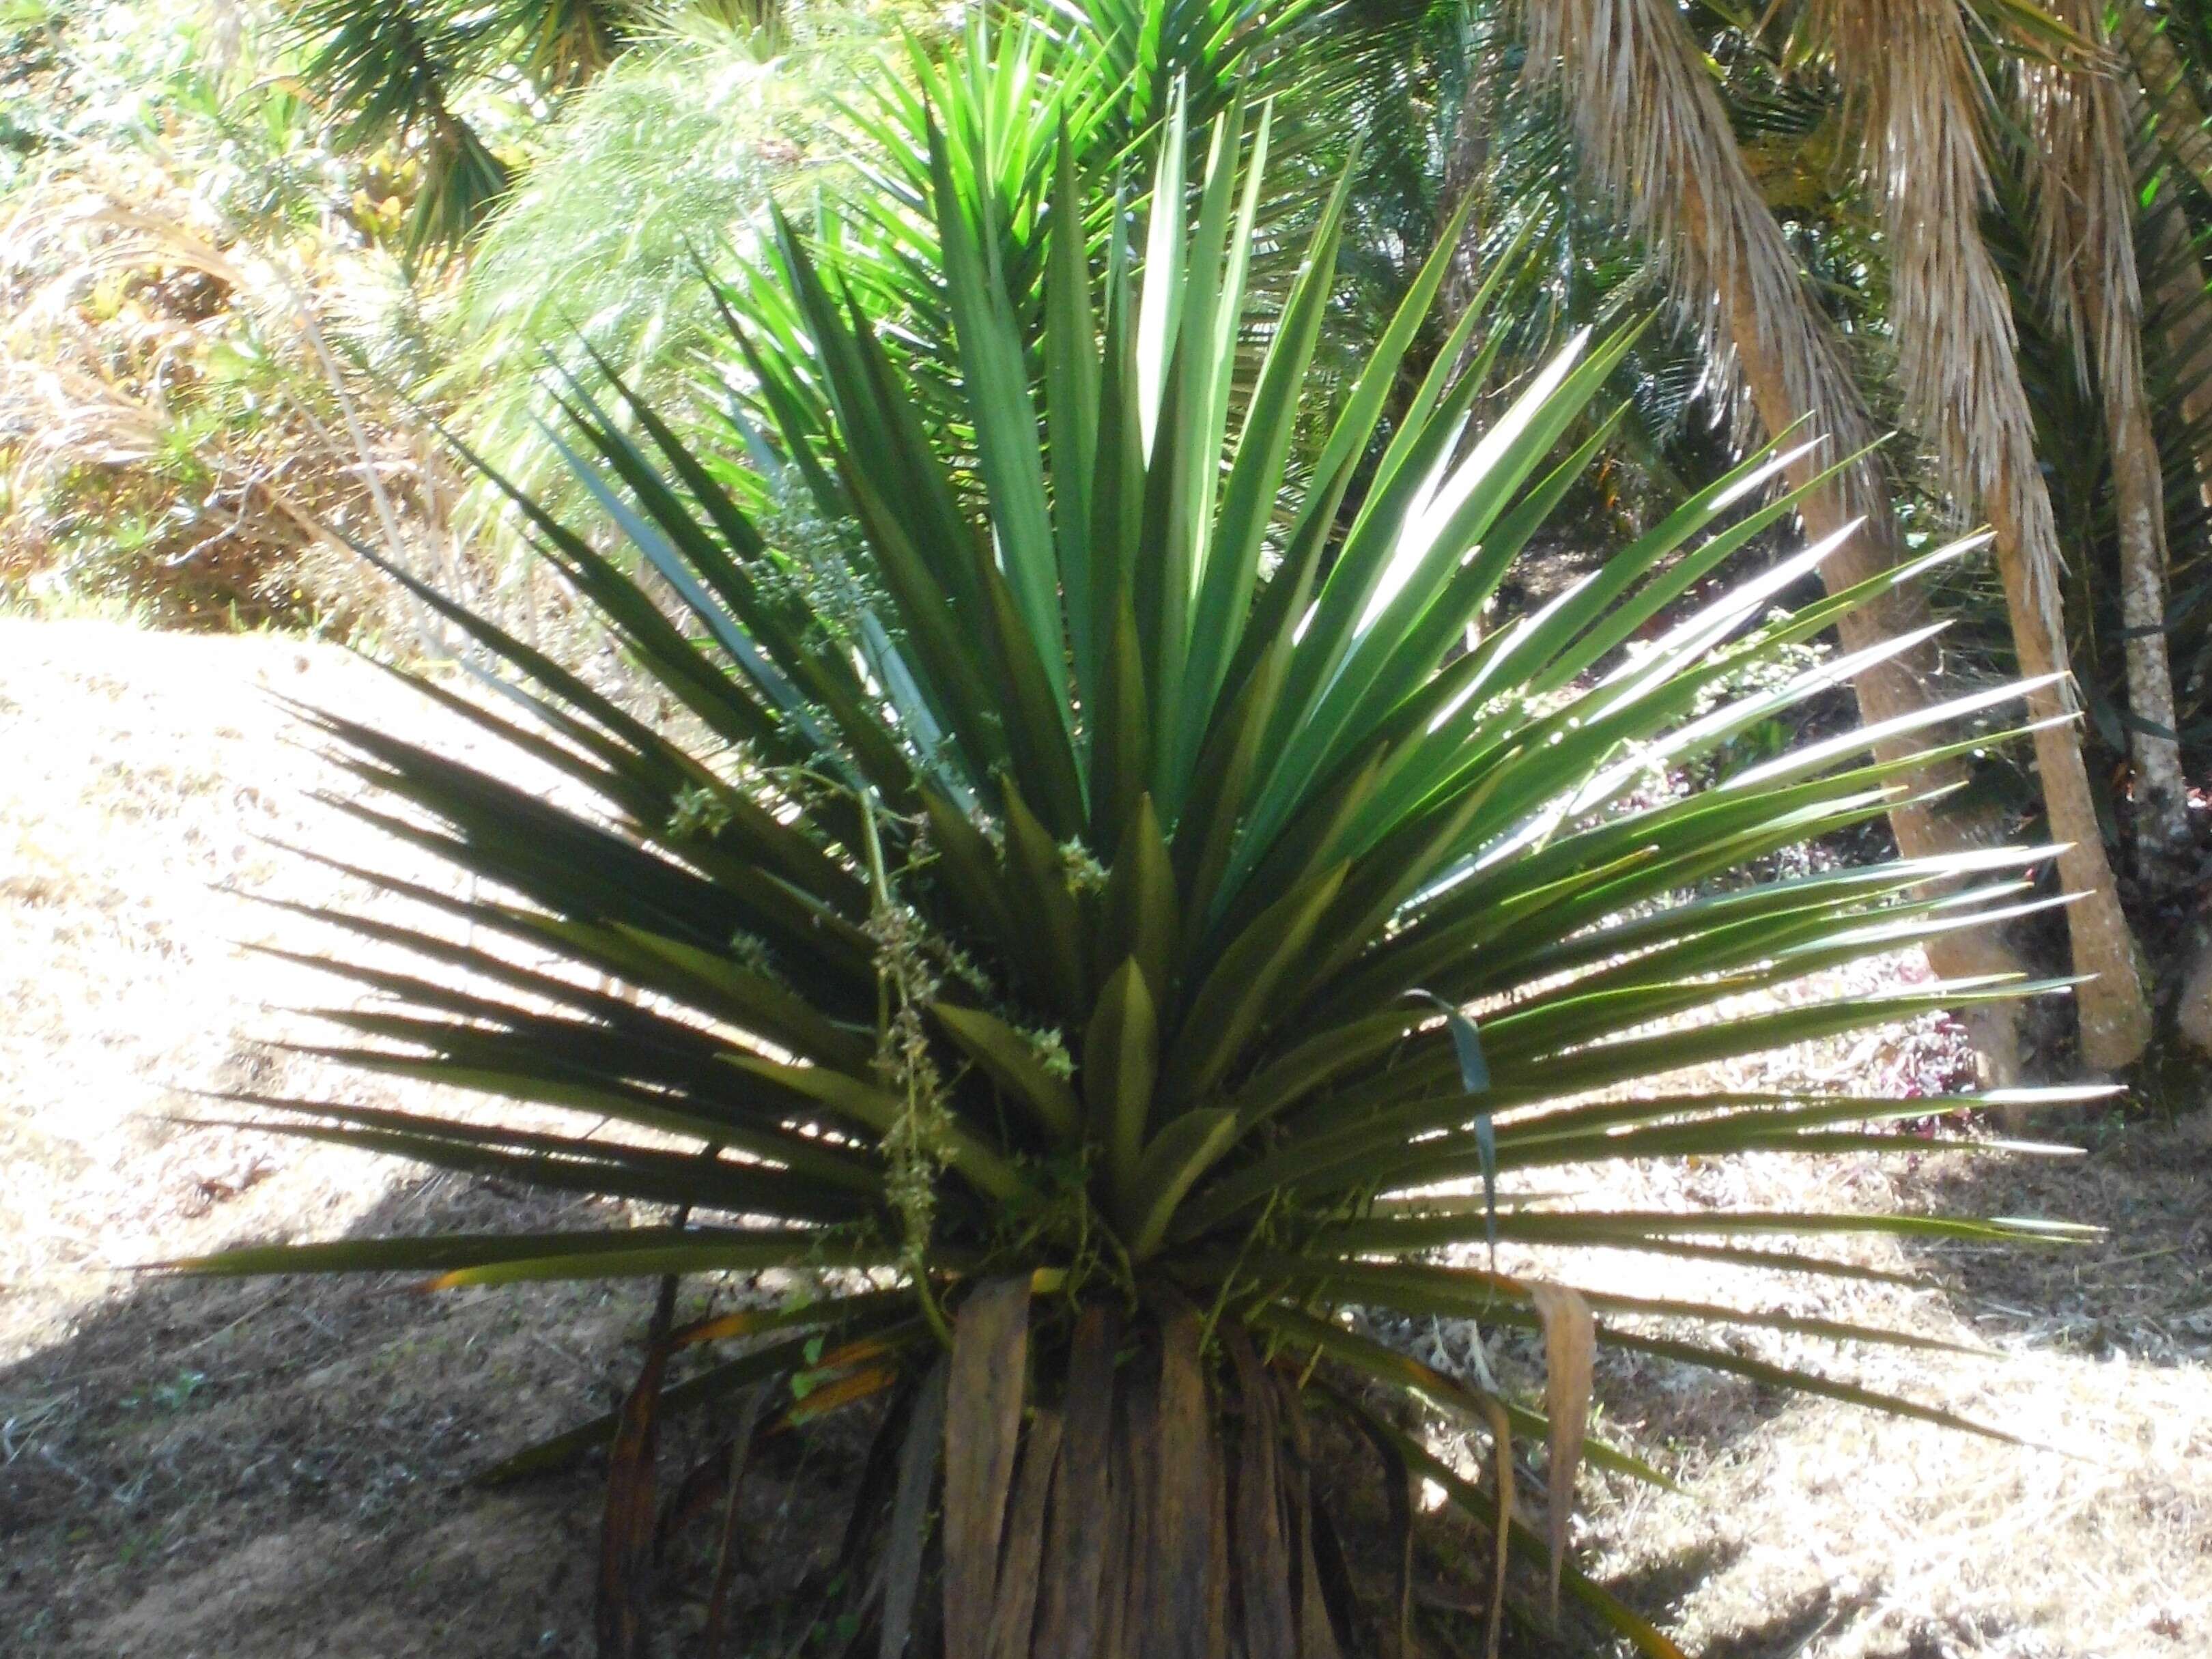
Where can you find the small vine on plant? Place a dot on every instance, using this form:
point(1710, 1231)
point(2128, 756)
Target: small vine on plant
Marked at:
point(906, 983)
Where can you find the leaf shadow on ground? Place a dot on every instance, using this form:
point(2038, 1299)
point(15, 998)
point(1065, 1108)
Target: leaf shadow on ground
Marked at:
point(1873, 1536)
point(2139, 1292)
point(265, 1468)
point(272, 1467)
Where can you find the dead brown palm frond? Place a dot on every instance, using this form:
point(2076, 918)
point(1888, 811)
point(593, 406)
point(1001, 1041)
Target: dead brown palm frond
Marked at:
point(1650, 126)
point(1922, 100)
point(2078, 161)
point(1918, 88)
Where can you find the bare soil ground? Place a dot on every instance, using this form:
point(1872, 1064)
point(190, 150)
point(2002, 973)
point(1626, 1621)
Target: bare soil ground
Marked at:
point(263, 1469)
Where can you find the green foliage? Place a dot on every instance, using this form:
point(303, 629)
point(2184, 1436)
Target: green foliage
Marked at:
point(985, 122)
point(654, 167)
point(1456, 124)
point(661, 164)
point(1087, 914)
point(399, 73)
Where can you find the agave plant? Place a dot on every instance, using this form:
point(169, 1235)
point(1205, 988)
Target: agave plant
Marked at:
point(1112, 912)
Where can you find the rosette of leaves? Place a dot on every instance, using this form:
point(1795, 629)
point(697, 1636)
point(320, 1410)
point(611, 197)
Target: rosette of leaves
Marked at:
point(1125, 909)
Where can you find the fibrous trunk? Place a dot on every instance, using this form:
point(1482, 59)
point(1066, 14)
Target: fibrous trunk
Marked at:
point(2160, 795)
point(1159, 1513)
point(2086, 265)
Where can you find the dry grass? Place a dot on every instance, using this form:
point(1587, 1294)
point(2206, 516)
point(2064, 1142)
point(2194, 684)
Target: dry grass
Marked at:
point(182, 426)
point(1816, 1528)
point(260, 1471)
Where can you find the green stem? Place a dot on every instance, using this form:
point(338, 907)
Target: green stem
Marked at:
point(880, 880)
point(1229, 1279)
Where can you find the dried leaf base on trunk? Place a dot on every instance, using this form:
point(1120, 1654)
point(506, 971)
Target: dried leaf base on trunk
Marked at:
point(1121, 1479)
point(1132, 1488)
point(1164, 1505)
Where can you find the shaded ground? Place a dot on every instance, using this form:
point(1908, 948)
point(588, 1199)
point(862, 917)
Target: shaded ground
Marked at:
point(259, 1471)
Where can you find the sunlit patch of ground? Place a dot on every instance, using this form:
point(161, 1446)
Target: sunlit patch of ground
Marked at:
point(262, 1469)
point(1819, 1528)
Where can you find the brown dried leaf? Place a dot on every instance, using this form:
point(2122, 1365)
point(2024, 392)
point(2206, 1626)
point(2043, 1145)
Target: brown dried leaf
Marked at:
point(909, 1524)
point(738, 1455)
point(1317, 1637)
point(1181, 1618)
point(982, 1431)
point(1570, 1347)
point(1136, 1475)
point(1501, 1448)
point(1083, 1497)
point(1015, 1613)
point(627, 1531)
point(1262, 1559)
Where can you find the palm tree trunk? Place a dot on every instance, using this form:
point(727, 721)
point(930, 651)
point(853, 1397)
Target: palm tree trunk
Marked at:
point(2160, 796)
point(2181, 122)
point(1650, 127)
point(2086, 264)
point(1910, 62)
point(2160, 106)
point(2113, 1009)
point(2179, 318)
point(1466, 162)
point(2164, 115)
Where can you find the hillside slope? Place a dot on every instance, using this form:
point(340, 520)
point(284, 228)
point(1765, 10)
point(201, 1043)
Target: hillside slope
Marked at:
point(264, 1470)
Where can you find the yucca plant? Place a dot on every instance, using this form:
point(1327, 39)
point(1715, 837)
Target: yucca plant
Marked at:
point(1071, 916)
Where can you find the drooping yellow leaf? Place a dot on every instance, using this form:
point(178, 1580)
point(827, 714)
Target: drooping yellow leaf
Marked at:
point(1570, 1346)
point(1501, 1457)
